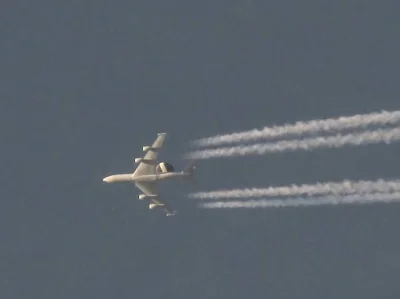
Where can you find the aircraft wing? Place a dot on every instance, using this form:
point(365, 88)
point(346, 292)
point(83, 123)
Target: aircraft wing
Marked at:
point(150, 189)
point(149, 162)
point(147, 188)
point(167, 208)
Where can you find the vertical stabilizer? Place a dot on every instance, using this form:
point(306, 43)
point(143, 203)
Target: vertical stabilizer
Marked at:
point(189, 170)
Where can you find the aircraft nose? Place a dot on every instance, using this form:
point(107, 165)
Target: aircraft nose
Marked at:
point(107, 179)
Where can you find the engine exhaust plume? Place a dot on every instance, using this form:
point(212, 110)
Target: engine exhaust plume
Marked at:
point(306, 202)
point(332, 188)
point(330, 125)
point(337, 141)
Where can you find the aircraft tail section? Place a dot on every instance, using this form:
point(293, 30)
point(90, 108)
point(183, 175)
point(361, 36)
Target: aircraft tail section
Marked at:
point(189, 170)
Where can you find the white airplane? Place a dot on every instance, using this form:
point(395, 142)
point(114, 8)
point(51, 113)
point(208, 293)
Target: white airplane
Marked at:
point(150, 172)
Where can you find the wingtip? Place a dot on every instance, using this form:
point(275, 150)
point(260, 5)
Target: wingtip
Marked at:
point(159, 134)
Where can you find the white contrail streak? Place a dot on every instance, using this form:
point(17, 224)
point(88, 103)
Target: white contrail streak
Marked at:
point(333, 188)
point(360, 121)
point(337, 141)
point(306, 202)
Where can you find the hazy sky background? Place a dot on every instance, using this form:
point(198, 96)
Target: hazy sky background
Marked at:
point(85, 84)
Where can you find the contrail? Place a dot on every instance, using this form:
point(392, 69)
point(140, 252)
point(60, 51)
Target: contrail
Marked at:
point(337, 141)
point(360, 121)
point(333, 188)
point(306, 202)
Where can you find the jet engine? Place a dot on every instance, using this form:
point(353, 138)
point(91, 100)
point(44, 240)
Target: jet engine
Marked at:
point(164, 167)
point(152, 206)
point(143, 196)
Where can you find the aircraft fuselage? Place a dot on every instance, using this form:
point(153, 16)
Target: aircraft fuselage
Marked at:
point(129, 177)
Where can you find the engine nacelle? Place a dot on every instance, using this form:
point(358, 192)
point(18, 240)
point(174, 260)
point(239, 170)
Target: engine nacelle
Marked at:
point(148, 148)
point(164, 167)
point(139, 160)
point(143, 196)
point(152, 206)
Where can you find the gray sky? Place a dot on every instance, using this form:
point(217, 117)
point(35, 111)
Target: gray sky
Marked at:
point(85, 84)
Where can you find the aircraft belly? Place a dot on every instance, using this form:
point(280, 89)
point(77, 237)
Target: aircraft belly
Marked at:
point(146, 178)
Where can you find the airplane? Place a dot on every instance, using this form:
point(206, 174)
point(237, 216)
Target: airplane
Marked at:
point(150, 171)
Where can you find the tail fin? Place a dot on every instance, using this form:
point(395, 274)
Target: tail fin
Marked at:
point(189, 170)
